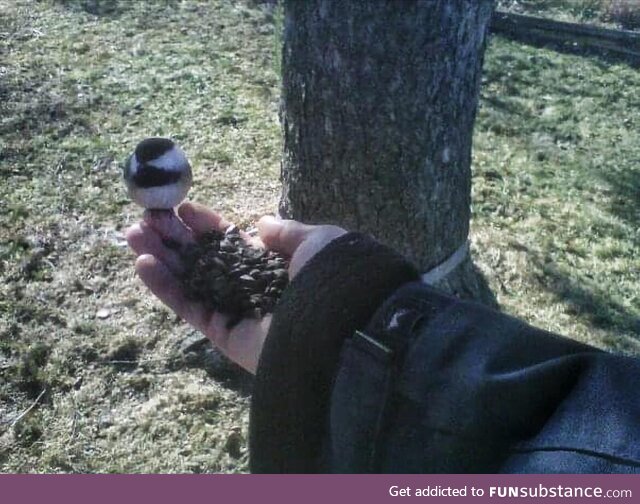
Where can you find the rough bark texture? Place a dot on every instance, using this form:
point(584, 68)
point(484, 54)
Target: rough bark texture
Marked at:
point(379, 102)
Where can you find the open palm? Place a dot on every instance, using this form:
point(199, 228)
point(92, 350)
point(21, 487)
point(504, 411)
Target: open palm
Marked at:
point(157, 239)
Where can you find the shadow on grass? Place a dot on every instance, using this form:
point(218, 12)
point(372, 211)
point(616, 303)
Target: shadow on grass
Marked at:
point(625, 198)
point(508, 116)
point(606, 56)
point(230, 376)
point(113, 8)
point(36, 113)
point(106, 8)
point(468, 282)
point(43, 112)
point(586, 301)
point(198, 352)
point(522, 87)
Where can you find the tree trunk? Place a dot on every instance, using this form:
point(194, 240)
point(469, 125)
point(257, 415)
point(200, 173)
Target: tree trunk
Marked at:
point(379, 103)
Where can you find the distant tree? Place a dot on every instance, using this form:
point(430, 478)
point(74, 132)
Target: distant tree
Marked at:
point(379, 103)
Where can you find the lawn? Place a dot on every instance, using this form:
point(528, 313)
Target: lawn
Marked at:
point(116, 383)
point(620, 14)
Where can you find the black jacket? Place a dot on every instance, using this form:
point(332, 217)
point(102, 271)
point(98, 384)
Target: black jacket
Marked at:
point(365, 369)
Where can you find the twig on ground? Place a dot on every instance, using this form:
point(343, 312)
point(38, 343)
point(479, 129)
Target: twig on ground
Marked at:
point(25, 412)
point(145, 361)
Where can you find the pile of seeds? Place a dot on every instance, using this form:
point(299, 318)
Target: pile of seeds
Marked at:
point(233, 278)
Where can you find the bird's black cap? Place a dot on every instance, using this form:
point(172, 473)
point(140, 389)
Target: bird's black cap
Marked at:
point(150, 176)
point(152, 148)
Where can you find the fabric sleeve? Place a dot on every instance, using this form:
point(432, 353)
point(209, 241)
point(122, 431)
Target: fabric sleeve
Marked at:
point(462, 388)
point(334, 294)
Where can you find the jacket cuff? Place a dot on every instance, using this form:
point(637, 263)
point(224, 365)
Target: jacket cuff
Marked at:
point(335, 293)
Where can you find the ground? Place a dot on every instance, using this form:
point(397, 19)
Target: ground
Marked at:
point(618, 14)
point(95, 375)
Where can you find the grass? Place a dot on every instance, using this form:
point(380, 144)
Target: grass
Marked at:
point(556, 191)
point(81, 83)
point(556, 214)
point(622, 14)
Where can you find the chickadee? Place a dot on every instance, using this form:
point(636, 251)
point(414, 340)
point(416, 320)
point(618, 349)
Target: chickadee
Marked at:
point(157, 174)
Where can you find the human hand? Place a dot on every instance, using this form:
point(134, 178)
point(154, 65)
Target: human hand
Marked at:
point(156, 239)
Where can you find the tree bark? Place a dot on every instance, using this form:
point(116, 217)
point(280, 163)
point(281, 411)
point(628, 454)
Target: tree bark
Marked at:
point(379, 103)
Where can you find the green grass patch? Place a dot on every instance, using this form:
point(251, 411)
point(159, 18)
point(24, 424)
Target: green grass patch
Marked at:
point(556, 188)
point(81, 82)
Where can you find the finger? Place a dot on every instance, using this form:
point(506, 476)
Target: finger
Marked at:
point(167, 288)
point(168, 226)
point(201, 219)
point(144, 240)
point(314, 242)
point(283, 236)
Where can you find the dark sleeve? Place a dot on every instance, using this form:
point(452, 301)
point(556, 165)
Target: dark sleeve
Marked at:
point(367, 370)
point(334, 294)
point(436, 384)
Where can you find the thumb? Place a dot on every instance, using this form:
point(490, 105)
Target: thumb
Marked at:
point(283, 236)
point(296, 240)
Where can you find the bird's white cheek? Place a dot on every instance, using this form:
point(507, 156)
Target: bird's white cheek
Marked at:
point(172, 160)
point(162, 197)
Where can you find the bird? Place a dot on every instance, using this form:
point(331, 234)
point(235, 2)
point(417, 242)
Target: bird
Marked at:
point(157, 174)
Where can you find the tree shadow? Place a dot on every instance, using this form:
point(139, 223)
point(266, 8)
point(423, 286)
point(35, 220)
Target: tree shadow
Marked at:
point(573, 48)
point(30, 105)
point(625, 195)
point(468, 282)
point(587, 300)
point(514, 116)
point(31, 111)
point(102, 8)
point(113, 8)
